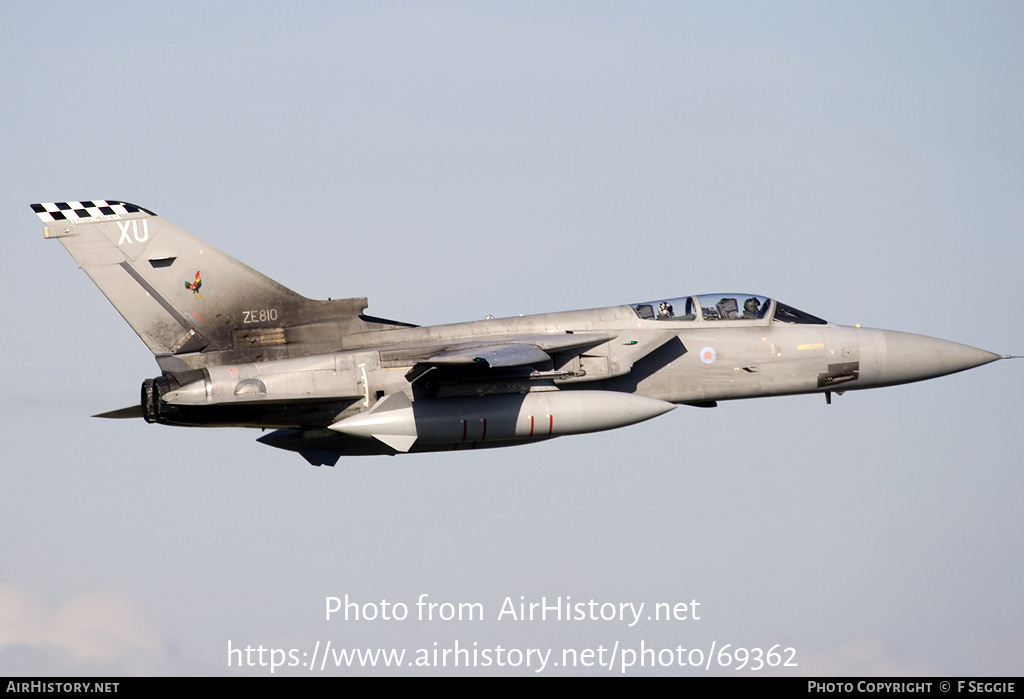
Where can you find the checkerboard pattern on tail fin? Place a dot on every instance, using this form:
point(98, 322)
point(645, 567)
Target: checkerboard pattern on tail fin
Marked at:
point(75, 211)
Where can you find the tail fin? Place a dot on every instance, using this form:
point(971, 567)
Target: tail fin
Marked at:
point(190, 303)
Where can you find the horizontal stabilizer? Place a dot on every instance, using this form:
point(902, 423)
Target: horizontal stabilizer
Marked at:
point(123, 413)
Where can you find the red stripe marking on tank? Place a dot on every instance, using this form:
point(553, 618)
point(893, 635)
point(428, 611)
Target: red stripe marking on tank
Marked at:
point(531, 425)
point(551, 424)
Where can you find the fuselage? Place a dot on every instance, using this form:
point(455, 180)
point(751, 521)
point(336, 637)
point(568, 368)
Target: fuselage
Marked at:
point(698, 358)
point(703, 356)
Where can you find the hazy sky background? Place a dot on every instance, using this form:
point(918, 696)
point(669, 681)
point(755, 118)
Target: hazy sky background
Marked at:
point(863, 162)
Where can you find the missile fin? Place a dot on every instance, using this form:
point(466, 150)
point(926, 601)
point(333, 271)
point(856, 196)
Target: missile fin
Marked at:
point(398, 442)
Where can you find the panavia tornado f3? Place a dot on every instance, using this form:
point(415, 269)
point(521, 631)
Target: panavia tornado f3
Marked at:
point(236, 348)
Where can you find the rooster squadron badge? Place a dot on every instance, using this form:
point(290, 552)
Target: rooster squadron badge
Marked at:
point(194, 286)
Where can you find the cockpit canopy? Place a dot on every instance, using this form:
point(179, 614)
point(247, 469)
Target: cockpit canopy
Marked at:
point(719, 307)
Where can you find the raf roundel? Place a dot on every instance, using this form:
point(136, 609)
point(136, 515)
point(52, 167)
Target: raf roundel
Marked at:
point(708, 355)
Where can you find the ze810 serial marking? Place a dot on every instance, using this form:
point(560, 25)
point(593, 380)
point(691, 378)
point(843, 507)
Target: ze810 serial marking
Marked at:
point(260, 315)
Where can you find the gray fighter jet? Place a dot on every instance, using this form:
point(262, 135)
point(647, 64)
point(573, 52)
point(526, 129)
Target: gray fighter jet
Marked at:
point(236, 348)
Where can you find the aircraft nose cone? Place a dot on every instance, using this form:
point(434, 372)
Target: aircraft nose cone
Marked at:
point(911, 357)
